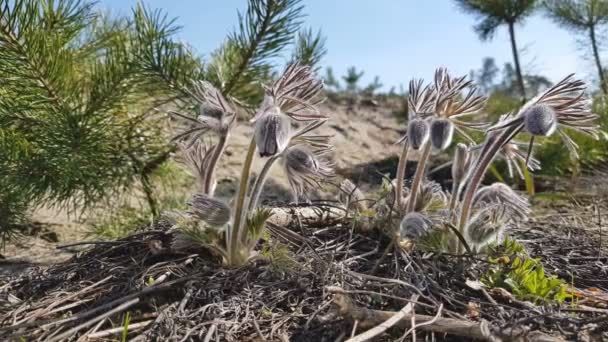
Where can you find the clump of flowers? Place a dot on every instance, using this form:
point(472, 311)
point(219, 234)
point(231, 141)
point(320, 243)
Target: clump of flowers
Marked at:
point(232, 232)
point(471, 217)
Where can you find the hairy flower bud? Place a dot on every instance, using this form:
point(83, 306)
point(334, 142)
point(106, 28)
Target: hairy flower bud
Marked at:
point(351, 196)
point(210, 210)
point(487, 225)
point(503, 195)
point(304, 167)
point(418, 133)
point(461, 164)
point(442, 131)
point(272, 132)
point(540, 119)
point(414, 225)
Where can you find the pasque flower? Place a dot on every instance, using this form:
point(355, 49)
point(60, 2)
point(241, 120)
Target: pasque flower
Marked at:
point(304, 167)
point(561, 106)
point(294, 95)
point(215, 114)
point(455, 98)
point(501, 194)
point(351, 196)
point(210, 210)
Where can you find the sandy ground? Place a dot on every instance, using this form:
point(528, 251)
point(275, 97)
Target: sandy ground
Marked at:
point(364, 135)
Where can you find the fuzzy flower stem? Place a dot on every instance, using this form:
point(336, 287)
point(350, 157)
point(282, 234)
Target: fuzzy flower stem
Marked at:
point(238, 227)
point(456, 187)
point(479, 170)
point(401, 174)
point(259, 183)
point(419, 176)
point(217, 153)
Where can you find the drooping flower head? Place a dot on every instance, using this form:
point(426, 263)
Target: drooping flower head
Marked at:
point(272, 132)
point(215, 114)
point(351, 196)
point(442, 131)
point(488, 225)
point(413, 226)
point(198, 157)
point(210, 210)
point(294, 96)
point(502, 195)
point(305, 167)
point(561, 106)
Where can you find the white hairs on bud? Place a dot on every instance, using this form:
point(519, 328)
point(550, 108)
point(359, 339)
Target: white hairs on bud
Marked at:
point(210, 210)
point(502, 195)
point(417, 133)
point(540, 120)
point(414, 225)
point(304, 168)
point(351, 196)
point(272, 133)
point(442, 131)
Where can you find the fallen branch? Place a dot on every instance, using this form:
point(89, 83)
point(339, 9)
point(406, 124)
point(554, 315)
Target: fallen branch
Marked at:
point(384, 326)
point(368, 318)
point(311, 216)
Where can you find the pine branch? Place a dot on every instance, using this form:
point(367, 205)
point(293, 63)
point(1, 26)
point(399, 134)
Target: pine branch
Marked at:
point(309, 48)
point(265, 30)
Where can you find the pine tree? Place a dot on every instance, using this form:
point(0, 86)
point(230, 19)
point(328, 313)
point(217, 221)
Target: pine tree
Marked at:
point(495, 13)
point(582, 16)
point(82, 94)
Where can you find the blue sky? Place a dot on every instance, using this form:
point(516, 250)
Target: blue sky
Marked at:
point(394, 39)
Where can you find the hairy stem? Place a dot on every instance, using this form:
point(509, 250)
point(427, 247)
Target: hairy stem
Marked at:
point(235, 233)
point(209, 187)
point(259, 183)
point(401, 175)
point(456, 186)
point(419, 176)
point(479, 170)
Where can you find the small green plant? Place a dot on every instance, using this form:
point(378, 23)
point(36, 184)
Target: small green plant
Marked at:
point(279, 256)
point(512, 269)
point(125, 326)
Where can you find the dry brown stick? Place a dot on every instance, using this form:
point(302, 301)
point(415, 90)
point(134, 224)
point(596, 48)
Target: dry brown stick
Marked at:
point(90, 322)
point(368, 318)
point(384, 326)
point(415, 326)
point(210, 333)
point(113, 331)
point(148, 290)
point(311, 216)
point(44, 311)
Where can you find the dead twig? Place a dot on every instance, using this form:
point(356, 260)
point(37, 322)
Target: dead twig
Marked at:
point(113, 331)
point(369, 318)
point(384, 326)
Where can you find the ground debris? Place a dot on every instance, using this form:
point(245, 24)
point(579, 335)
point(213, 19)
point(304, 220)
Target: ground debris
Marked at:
point(182, 297)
